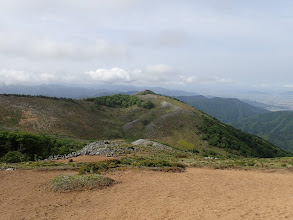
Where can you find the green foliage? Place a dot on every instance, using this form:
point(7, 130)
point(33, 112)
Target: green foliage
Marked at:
point(145, 92)
point(115, 100)
point(42, 96)
point(186, 144)
point(154, 163)
point(148, 105)
point(275, 127)
point(69, 182)
point(227, 110)
point(97, 167)
point(14, 157)
point(33, 146)
point(235, 141)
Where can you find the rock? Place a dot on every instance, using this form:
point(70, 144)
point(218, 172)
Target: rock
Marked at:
point(10, 169)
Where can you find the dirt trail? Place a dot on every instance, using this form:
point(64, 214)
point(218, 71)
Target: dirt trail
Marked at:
point(195, 194)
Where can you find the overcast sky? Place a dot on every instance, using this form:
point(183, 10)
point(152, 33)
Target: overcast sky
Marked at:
point(187, 44)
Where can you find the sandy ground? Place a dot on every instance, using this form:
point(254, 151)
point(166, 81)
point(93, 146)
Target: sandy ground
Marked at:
point(195, 194)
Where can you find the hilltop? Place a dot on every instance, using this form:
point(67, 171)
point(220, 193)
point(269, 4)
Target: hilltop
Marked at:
point(144, 115)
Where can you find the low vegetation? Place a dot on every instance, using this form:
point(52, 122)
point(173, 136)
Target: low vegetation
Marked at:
point(116, 100)
point(140, 162)
point(237, 142)
point(70, 182)
point(227, 110)
point(18, 146)
point(144, 115)
point(275, 127)
point(185, 144)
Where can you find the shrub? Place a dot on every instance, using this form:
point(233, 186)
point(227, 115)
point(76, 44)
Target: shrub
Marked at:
point(154, 163)
point(145, 92)
point(66, 183)
point(148, 105)
point(14, 157)
point(98, 166)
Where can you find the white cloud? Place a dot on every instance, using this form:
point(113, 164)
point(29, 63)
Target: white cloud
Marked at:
point(151, 74)
point(12, 77)
point(287, 86)
point(158, 69)
point(114, 75)
point(188, 79)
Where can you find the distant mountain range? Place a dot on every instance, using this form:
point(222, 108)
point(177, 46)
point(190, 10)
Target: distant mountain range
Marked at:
point(81, 92)
point(228, 110)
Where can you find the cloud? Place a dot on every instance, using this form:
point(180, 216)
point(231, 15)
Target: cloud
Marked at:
point(151, 75)
point(158, 69)
point(172, 38)
point(205, 79)
point(287, 86)
point(12, 77)
point(56, 50)
point(188, 79)
point(158, 74)
point(114, 75)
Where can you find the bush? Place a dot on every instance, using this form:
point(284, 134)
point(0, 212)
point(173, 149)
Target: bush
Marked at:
point(148, 105)
point(115, 100)
point(154, 163)
point(66, 183)
point(14, 157)
point(98, 167)
point(145, 92)
point(35, 146)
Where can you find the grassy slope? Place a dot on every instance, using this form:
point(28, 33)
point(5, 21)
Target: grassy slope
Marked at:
point(169, 122)
point(276, 127)
point(227, 110)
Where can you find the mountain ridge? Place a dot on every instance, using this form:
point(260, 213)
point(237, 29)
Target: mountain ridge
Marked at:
point(166, 120)
point(227, 110)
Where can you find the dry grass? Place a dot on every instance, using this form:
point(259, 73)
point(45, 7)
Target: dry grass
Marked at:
point(70, 182)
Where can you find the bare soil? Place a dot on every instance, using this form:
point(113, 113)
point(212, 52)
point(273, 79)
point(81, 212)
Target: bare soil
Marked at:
point(195, 194)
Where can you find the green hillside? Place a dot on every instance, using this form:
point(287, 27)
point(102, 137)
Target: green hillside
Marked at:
point(145, 115)
point(227, 110)
point(276, 127)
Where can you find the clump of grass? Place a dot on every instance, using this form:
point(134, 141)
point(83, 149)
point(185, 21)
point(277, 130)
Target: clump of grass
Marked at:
point(185, 144)
point(98, 167)
point(70, 182)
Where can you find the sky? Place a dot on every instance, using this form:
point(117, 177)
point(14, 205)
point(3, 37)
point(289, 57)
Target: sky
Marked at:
point(189, 44)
